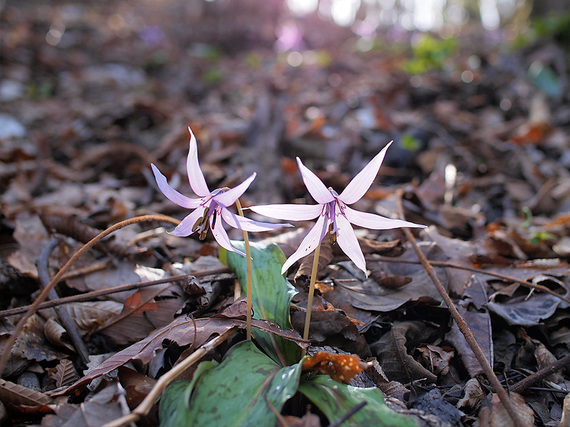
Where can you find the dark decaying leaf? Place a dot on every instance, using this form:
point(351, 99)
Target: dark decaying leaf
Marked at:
point(31, 344)
point(332, 328)
point(392, 352)
point(303, 274)
point(434, 403)
point(97, 410)
point(182, 330)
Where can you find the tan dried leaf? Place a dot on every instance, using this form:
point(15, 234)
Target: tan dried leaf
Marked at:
point(473, 395)
point(15, 395)
point(497, 416)
point(54, 333)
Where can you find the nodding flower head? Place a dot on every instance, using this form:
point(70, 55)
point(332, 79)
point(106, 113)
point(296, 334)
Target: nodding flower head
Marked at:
point(333, 214)
point(210, 209)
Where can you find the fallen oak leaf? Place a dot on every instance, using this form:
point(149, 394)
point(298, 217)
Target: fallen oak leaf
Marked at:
point(339, 367)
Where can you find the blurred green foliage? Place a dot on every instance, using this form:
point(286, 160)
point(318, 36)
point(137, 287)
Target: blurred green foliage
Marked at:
point(430, 53)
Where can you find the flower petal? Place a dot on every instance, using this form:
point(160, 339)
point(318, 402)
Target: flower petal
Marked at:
point(314, 184)
point(309, 243)
point(222, 237)
point(289, 212)
point(185, 227)
point(247, 224)
point(360, 184)
point(375, 222)
point(171, 193)
point(348, 242)
point(195, 175)
point(228, 198)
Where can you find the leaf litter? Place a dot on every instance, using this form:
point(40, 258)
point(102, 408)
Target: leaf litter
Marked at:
point(492, 183)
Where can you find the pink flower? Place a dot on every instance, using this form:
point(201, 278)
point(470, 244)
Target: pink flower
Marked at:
point(334, 215)
point(211, 208)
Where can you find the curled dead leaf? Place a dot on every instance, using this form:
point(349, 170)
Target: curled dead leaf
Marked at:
point(339, 367)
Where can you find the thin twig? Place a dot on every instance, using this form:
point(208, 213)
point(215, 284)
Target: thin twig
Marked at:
point(67, 322)
point(522, 385)
point(461, 324)
point(44, 293)
point(116, 289)
point(146, 405)
point(501, 276)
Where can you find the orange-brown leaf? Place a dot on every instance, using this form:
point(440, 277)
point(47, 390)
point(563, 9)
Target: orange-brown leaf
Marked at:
point(339, 367)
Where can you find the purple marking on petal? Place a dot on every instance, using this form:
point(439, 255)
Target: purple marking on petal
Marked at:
point(228, 198)
point(289, 212)
point(360, 184)
point(171, 193)
point(348, 242)
point(375, 222)
point(222, 237)
point(185, 227)
point(309, 243)
point(248, 224)
point(195, 175)
point(315, 186)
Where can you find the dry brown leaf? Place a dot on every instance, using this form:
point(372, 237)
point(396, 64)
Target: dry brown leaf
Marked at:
point(473, 396)
point(565, 421)
point(54, 333)
point(392, 352)
point(31, 344)
point(63, 374)
point(15, 395)
point(497, 416)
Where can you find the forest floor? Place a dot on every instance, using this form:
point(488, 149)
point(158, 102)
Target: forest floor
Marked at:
point(93, 93)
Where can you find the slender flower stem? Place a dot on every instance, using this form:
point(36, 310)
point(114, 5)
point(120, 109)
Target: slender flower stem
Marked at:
point(312, 290)
point(248, 265)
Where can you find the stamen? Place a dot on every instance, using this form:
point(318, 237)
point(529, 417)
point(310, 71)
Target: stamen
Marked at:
point(332, 234)
point(202, 225)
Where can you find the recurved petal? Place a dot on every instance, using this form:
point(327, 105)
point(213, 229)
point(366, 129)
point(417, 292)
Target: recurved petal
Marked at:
point(228, 198)
point(222, 237)
point(309, 243)
point(195, 175)
point(289, 212)
point(375, 222)
point(315, 186)
point(348, 242)
point(248, 224)
point(171, 193)
point(185, 227)
point(363, 180)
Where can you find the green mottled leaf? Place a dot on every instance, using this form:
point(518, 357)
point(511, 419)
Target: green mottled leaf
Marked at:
point(272, 295)
point(236, 392)
point(174, 407)
point(335, 400)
